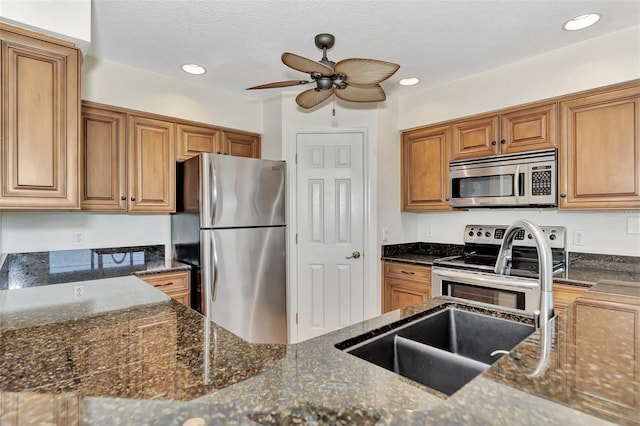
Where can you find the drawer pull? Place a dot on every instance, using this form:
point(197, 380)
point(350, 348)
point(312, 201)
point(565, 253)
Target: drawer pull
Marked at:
point(164, 285)
point(408, 272)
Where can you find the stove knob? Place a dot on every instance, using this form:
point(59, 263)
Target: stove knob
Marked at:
point(487, 234)
point(529, 236)
point(471, 233)
point(552, 237)
point(479, 234)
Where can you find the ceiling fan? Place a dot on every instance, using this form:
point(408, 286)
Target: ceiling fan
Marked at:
point(353, 80)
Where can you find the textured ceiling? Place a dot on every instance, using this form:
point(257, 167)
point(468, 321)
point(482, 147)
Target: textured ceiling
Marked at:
point(240, 41)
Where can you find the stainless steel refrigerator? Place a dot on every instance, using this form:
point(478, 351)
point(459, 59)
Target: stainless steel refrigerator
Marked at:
point(230, 227)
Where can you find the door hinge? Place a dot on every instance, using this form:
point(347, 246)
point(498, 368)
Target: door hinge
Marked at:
point(296, 158)
point(296, 238)
point(296, 318)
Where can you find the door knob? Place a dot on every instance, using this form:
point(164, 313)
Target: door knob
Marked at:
point(355, 255)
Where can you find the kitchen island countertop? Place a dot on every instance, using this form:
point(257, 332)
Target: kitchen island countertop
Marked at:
point(127, 354)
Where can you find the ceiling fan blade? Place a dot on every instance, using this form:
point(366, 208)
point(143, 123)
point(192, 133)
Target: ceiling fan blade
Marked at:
point(312, 97)
point(305, 65)
point(286, 83)
point(365, 71)
point(356, 93)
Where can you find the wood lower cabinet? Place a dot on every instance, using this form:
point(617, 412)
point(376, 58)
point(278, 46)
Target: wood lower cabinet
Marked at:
point(514, 130)
point(607, 379)
point(404, 285)
point(599, 155)
point(31, 408)
point(40, 122)
point(425, 169)
point(173, 284)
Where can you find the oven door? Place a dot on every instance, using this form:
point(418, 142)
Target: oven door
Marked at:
point(495, 185)
point(492, 289)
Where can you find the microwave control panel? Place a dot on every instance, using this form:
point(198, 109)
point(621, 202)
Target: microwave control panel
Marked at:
point(541, 180)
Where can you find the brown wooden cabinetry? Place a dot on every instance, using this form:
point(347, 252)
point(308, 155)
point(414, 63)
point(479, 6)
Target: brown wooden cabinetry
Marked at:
point(425, 169)
point(516, 130)
point(191, 140)
point(241, 144)
point(606, 354)
point(599, 161)
point(174, 284)
point(404, 285)
point(151, 165)
point(40, 121)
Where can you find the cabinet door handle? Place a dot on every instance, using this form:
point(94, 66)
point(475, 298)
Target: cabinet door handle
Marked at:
point(408, 272)
point(493, 142)
point(164, 285)
point(503, 141)
point(563, 195)
point(123, 198)
point(133, 198)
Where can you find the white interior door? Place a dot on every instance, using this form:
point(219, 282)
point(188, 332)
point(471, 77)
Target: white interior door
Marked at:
point(330, 218)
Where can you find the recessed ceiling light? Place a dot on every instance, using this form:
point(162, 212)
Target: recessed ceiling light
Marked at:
point(193, 69)
point(582, 21)
point(409, 81)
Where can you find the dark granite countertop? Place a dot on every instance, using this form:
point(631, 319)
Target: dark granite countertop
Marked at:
point(21, 270)
point(126, 354)
point(584, 269)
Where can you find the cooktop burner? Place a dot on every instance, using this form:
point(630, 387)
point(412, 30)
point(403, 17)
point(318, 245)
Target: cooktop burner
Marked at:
point(482, 245)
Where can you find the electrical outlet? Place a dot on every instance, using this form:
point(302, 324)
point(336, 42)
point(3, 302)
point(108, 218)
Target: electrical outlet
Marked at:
point(428, 232)
point(578, 238)
point(78, 238)
point(78, 292)
point(385, 234)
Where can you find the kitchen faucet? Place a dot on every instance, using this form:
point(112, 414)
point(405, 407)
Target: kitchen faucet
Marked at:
point(543, 317)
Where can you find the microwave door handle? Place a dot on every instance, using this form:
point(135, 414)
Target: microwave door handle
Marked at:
point(516, 184)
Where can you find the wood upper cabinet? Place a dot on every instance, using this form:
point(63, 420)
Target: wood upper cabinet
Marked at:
point(599, 155)
point(104, 165)
point(191, 140)
point(40, 122)
point(425, 169)
point(151, 165)
point(517, 130)
point(241, 144)
point(404, 285)
point(194, 139)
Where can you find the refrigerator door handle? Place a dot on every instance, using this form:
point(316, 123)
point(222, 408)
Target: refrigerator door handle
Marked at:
point(214, 270)
point(213, 192)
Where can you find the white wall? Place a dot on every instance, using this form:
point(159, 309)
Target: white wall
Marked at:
point(597, 62)
point(272, 136)
point(65, 19)
point(43, 231)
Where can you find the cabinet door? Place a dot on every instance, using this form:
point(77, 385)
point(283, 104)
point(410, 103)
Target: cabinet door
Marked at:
point(151, 165)
point(40, 124)
point(607, 378)
point(528, 129)
point(192, 140)
point(399, 294)
point(477, 137)
point(599, 153)
point(104, 166)
point(241, 144)
point(425, 169)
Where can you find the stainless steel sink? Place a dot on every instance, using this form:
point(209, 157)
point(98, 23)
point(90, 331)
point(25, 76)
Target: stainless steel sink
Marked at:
point(443, 350)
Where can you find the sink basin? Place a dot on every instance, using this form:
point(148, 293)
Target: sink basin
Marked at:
point(443, 350)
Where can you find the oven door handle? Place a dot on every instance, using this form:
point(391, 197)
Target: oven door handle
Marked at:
point(504, 281)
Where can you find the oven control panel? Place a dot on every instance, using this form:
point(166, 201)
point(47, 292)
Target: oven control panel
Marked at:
point(494, 234)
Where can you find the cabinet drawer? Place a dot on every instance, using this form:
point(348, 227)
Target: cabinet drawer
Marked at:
point(173, 282)
point(408, 272)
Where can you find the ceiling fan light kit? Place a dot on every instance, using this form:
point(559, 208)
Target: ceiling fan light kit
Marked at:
point(352, 80)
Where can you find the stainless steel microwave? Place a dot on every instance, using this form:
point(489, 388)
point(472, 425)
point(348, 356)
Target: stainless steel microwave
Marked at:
point(512, 180)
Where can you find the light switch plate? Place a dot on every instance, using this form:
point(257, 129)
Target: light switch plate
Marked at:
point(385, 234)
point(578, 238)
